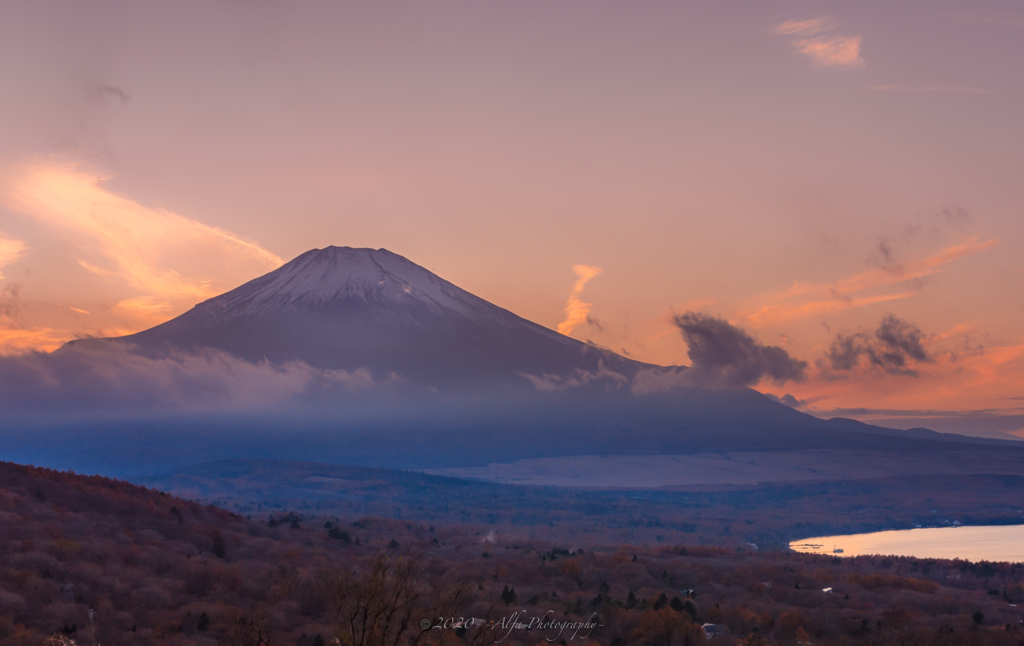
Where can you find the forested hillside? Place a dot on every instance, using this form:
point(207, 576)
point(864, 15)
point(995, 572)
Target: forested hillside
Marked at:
point(98, 561)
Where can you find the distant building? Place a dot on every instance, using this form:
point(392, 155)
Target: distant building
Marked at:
point(827, 590)
point(714, 630)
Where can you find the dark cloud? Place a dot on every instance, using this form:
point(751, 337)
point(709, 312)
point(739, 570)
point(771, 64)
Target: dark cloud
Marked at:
point(956, 216)
point(885, 258)
point(968, 347)
point(885, 250)
point(900, 343)
point(10, 303)
point(843, 297)
point(107, 91)
point(955, 219)
point(896, 346)
point(724, 355)
point(595, 323)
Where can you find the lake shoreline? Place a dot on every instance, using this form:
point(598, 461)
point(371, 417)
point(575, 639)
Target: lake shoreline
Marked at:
point(1003, 543)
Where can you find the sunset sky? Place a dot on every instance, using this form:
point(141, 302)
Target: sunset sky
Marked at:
point(819, 174)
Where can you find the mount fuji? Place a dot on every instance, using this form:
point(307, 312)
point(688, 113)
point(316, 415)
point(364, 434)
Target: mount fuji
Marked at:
point(456, 382)
point(345, 308)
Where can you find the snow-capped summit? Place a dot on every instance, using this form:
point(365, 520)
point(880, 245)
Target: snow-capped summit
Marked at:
point(321, 276)
point(347, 308)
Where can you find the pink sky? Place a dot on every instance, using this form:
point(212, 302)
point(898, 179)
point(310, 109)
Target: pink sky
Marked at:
point(801, 169)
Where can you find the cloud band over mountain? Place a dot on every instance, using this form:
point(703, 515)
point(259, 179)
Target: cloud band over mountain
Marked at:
point(114, 378)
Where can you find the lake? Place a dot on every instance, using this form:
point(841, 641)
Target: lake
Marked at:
point(986, 543)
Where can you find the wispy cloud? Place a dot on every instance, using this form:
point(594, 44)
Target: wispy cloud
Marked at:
point(20, 340)
point(10, 250)
point(577, 378)
point(112, 377)
point(832, 51)
point(995, 20)
point(149, 309)
point(805, 27)
point(814, 38)
point(9, 302)
point(576, 311)
point(958, 89)
point(900, 367)
point(105, 90)
point(170, 261)
point(810, 299)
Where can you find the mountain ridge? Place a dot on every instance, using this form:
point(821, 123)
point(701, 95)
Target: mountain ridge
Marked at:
point(357, 309)
point(345, 308)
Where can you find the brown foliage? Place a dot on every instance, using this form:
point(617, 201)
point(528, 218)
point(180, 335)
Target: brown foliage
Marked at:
point(149, 566)
point(874, 581)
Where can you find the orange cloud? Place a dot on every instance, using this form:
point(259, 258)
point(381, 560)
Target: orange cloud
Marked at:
point(18, 341)
point(807, 299)
point(157, 252)
point(576, 311)
point(168, 260)
point(145, 308)
point(805, 27)
point(999, 366)
point(841, 51)
point(971, 378)
point(822, 48)
point(10, 250)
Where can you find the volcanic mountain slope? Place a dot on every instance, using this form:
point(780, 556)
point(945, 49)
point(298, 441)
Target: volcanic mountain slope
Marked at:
point(352, 309)
point(345, 308)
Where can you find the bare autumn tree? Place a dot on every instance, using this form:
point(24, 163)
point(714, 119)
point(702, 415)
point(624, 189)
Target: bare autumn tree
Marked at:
point(252, 628)
point(385, 602)
point(377, 607)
